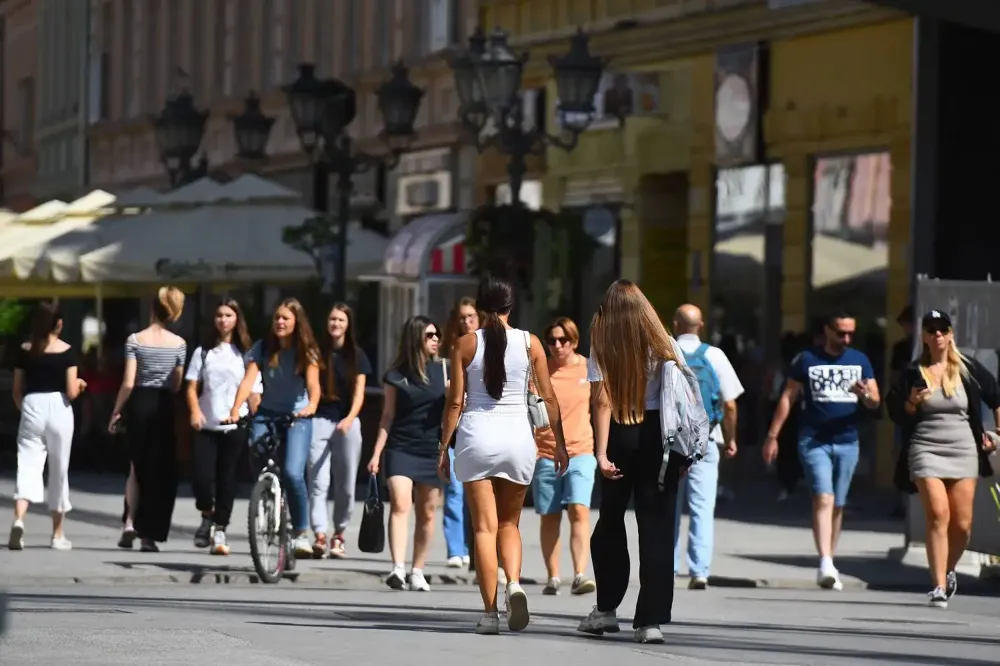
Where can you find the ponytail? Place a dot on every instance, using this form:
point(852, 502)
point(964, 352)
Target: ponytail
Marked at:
point(495, 341)
point(44, 323)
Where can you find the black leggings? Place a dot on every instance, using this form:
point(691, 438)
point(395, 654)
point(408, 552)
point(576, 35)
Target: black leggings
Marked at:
point(216, 457)
point(638, 452)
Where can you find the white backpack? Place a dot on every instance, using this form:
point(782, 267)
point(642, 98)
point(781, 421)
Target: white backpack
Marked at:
point(683, 418)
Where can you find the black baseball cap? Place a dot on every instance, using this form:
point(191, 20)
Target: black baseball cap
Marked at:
point(936, 320)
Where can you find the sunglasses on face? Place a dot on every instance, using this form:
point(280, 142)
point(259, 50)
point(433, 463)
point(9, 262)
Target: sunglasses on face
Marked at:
point(432, 335)
point(553, 341)
point(934, 330)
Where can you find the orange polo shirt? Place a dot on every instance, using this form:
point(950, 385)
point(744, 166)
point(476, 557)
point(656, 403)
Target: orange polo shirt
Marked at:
point(573, 395)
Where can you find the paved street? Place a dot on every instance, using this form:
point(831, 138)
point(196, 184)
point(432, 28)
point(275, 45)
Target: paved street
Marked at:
point(100, 605)
point(297, 626)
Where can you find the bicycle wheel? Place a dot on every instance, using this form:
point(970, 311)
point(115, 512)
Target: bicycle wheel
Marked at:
point(268, 537)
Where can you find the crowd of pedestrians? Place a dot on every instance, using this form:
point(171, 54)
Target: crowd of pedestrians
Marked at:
point(476, 415)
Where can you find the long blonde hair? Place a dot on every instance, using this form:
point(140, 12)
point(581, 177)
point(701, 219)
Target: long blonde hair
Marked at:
point(626, 339)
point(955, 367)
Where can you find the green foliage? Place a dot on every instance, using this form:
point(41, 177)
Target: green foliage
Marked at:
point(310, 237)
point(12, 316)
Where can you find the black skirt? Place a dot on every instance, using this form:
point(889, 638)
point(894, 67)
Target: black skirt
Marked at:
point(149, 420)
point(419, 469)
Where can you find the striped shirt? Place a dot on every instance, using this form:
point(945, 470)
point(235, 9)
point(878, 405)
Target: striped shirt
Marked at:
point(154, 365)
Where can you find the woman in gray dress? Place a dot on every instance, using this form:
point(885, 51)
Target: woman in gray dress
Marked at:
point(937, 402)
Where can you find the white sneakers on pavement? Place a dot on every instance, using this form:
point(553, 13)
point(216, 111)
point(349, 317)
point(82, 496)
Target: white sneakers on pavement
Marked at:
point(457, 562)
point(16, 539)
point(828, 577)
point(517, 607)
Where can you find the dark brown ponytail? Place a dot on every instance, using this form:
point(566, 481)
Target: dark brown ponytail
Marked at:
point(495, 298)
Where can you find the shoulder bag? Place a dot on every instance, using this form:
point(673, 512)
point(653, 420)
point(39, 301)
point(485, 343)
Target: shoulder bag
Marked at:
point(537, 412)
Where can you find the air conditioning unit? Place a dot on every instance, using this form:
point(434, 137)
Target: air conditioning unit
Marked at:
point(423, 193)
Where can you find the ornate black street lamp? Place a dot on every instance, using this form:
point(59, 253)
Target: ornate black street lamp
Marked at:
point(322, 110)
point(488, 81)
point(251, 129)
point(179, 129)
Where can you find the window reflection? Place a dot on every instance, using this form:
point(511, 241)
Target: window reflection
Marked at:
point(746, 262)
point(850, 257)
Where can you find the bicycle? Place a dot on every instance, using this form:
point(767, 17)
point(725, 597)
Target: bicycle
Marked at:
point(269, 521)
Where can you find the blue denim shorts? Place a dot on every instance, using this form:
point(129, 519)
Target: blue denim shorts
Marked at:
point(828, 467)
point(551, 493)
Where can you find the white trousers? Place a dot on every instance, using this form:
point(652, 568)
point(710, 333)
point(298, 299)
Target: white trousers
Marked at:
point(338, 454)
point(45, 432)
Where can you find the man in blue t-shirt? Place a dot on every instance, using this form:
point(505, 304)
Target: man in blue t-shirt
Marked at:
point(833, 381)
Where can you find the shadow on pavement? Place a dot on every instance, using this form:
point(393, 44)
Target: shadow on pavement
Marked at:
point(737, 639)
point(881, 573)
point(756, 503)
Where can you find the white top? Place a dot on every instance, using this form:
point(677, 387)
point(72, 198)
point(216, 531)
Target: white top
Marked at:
point(224, 369)
point(653, 376)
point(730, 387)
point(515, 362)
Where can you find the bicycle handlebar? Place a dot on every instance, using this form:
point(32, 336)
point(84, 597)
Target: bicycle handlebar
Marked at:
point(285, 420)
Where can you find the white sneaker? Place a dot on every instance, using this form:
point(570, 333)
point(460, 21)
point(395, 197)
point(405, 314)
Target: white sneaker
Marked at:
point(583, 585)
point(303, 549)
point(501, 577)
point(698, 583)
point(396, 579)
point(456, 562)
point(552, 587)
point(938, 598)
point(650, 634)
point(489, 624)
point(418, 583)
point(61, 543)
point(599, 623)
point(517, 607)
point(829, 579)
point(16, 539)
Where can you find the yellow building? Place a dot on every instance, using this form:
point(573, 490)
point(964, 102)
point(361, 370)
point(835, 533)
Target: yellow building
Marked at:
point(838, 80)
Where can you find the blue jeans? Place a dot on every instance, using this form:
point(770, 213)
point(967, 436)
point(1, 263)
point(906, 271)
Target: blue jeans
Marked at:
point(552, 493)
point(454, 514)
point(293, 470)
point(829, 467)
point(698, 491)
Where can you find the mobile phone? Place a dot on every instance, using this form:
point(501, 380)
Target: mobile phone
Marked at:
point(920, 384)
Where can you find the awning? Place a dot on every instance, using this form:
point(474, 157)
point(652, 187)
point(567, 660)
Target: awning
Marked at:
point(429, 247)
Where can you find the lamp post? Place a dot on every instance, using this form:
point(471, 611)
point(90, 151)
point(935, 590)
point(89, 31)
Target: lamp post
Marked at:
point(180, 128)
point(488, 81)
point(322, 110)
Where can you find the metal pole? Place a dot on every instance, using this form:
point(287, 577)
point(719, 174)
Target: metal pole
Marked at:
point(321, 204)
point(344, 189)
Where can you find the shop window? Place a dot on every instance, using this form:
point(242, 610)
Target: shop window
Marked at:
point(746, 259)
point(850, 252)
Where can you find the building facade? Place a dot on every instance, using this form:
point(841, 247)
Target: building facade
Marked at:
point(18, 157)
point(142, 51)
point(752, 157)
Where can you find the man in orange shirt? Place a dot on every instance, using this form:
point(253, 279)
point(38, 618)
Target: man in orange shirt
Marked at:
point(573, 490)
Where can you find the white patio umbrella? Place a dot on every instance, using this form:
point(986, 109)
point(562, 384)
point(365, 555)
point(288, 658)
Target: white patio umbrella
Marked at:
point(216, 243)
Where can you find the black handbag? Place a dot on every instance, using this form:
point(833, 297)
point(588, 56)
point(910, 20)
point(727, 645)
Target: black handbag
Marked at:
point(371, 538)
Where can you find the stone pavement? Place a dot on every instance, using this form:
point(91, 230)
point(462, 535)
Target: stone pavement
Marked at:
point(299, 625)
point(758, 544)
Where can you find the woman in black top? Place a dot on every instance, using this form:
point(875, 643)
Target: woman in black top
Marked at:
point(45, 381)
point(410, 434)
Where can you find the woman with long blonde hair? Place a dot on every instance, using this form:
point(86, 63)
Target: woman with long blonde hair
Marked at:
point(937, 404)
point(154, 371)
point(628, 348)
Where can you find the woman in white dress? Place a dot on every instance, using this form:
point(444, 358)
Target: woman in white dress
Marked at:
point(495, 447)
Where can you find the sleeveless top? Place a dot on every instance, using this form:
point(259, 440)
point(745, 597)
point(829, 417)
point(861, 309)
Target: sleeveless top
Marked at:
point(515, 362)
point(154, 365)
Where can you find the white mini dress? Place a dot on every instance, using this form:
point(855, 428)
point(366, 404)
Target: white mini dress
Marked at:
point(495, 438)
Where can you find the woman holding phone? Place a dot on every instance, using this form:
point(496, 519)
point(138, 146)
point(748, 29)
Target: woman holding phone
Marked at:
point(937, 404)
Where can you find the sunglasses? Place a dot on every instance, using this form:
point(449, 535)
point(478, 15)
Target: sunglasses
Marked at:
point(938, 328)
point(432, 335)
point(553, 341)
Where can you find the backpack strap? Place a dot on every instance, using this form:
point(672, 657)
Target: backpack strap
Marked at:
point(699, 353)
